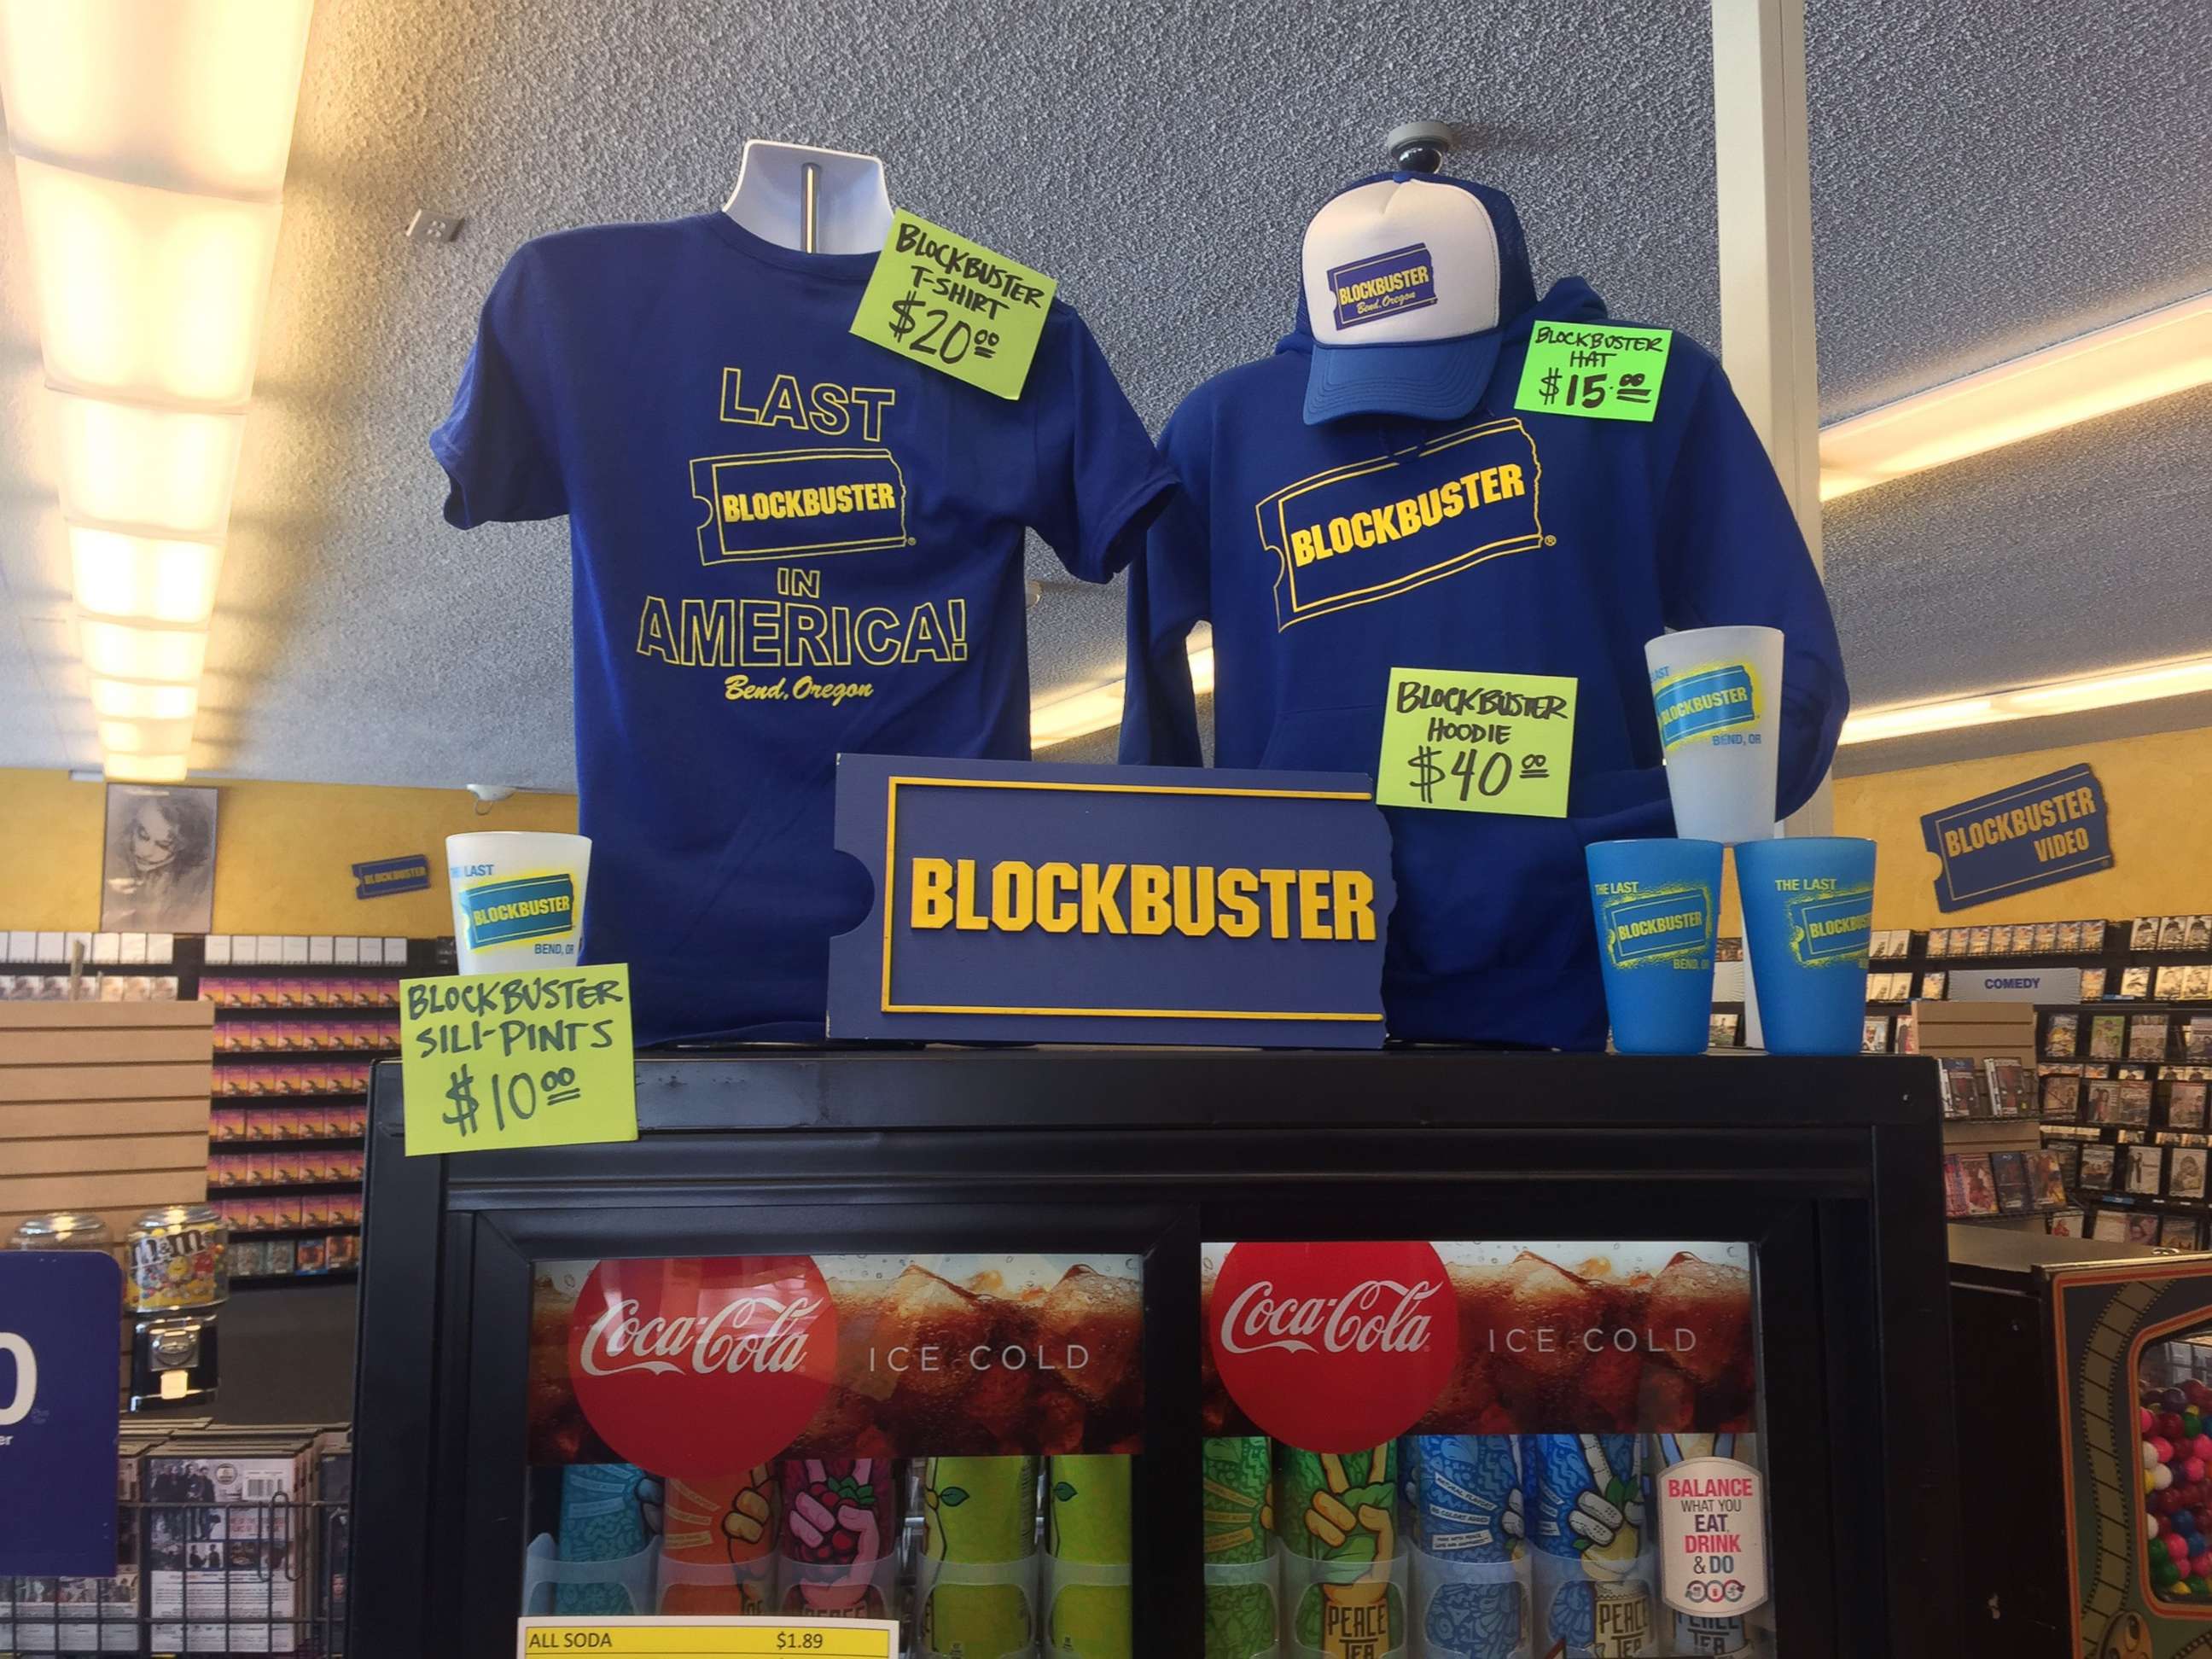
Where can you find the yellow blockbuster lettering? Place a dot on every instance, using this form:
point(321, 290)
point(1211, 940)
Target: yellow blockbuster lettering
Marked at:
point(1193, 901)
point(1277, 884)
point(1100, 913)
point(964, 898)
point(1240, 916)
point(1313, 904)
point(1056, 912)
point(1149, 914)
point(1013, 898)
point(931, 907)
point(1355, 905)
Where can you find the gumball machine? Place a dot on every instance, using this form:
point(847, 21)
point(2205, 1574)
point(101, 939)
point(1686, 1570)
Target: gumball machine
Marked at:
point(2090, 1362)
point(177, 1273)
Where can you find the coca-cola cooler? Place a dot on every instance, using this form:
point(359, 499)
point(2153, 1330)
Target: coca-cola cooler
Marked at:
point(1131, 1352)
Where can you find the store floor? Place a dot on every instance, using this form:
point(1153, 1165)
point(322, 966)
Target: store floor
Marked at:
point(288, 1355)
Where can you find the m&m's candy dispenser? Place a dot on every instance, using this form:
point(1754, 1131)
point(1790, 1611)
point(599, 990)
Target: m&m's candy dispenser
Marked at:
point(2177, 1475)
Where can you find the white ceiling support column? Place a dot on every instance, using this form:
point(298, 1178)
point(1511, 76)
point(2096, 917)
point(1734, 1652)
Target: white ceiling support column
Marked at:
point(1765, 188)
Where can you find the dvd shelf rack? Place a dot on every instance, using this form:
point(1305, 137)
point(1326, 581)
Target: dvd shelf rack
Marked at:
point(294, 1040)
point(2120, 1077)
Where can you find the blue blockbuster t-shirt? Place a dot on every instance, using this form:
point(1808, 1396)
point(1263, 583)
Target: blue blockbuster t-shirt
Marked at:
point(1545, 544)
point(787, 542)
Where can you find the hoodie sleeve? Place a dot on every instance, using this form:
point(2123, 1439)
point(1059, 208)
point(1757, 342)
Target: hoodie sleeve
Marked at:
point(1731, 554)
point(1170, 594)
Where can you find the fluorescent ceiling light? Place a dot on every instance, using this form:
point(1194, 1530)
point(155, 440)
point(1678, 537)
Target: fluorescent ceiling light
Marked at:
point(127, 700)
point(145, 769)
point(118, 651)
point(145, 737)
point(1063, 719)
point(160, 470)
point(147, 293)
point(190, 94)
point(2154, 356)
point(2138, 683)
point(126, 576)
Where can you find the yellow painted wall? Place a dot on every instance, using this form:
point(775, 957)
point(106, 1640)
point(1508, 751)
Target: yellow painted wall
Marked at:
point(282, 849)
point(284, 853)
point(2158, 799)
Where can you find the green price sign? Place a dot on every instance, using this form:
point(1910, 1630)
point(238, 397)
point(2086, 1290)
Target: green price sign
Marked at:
point(1600, 370)
point(497, 1061)
point(1476, 743)
point(952, 304)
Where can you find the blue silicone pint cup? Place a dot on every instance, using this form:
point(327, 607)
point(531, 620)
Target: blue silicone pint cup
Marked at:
point(1807, 907)
point(1656, 903)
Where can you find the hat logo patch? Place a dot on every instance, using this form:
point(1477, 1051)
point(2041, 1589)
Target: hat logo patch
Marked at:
point(1383, 285)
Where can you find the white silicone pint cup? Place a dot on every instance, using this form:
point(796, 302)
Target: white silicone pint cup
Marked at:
point(518, 899)
point(1716, 692)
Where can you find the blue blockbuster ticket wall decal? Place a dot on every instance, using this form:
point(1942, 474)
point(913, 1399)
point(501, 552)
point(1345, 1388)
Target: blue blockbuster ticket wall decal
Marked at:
point(379, 877)
point(1044, 903)
point(2048, 830)
point(57, 1422)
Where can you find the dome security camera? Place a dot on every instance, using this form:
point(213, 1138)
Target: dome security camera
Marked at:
point(487, 793)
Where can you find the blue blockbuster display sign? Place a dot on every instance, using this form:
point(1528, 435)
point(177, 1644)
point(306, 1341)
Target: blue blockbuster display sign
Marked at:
point(1046, 903)
point(59, 1310)
point(2048, 830)
point(381, 876)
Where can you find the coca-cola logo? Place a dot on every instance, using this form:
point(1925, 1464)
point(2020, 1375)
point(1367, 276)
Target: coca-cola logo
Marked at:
point(1334, 1347)
point(702, 1367)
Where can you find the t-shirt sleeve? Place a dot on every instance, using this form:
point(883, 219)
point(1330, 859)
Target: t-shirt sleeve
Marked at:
point(492, 444)
point(1732, 555)
point(1098, 481)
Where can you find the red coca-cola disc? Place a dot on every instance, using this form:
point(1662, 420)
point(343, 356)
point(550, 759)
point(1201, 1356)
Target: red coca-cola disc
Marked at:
point(1334, 1347)
point(702, 1367)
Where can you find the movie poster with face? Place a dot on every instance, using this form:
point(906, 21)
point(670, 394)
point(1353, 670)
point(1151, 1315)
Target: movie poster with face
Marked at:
point(158, 875)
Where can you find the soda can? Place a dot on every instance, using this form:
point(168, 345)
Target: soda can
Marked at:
point(1345, 1577)
point(1087, 1606)
point(602, 1521)
point(1466, 1519)
point(979, 1557)
point(840, 1537)
point(1591, 1572)
point(1243, 1594)
point(718, 1544)
point(1707, 1635)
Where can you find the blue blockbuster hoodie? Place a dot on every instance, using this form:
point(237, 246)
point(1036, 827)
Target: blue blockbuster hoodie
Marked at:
point(1601, 535)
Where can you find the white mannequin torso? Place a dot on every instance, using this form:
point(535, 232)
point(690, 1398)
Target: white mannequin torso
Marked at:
point(852, 207)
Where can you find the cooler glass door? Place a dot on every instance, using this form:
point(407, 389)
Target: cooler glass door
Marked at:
point(903, 1412)
point(1483, 1449)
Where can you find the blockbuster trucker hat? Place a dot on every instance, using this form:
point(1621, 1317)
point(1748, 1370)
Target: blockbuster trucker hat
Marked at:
point(1407, 277)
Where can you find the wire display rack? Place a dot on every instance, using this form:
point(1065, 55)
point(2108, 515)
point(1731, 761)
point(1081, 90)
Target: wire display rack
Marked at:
point(197, 1577)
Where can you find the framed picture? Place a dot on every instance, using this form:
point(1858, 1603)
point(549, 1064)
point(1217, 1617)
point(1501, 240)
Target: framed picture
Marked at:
point(158, 874)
